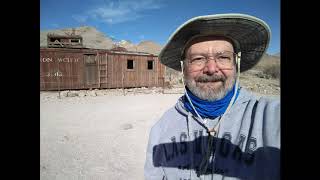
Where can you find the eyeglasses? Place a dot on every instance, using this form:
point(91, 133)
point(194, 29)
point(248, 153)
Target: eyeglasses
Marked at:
point(223, 59)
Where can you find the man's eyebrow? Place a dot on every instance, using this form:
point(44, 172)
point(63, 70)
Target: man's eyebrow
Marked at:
point(192, 54)
point(202, 53)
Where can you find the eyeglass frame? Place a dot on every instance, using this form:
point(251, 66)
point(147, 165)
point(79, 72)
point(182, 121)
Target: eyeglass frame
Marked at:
point(212, 56)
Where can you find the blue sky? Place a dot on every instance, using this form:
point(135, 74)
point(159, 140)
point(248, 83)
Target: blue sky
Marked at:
point(138, 20)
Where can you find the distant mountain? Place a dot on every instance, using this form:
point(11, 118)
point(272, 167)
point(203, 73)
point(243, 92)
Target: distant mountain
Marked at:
point(266, 61)
point(124, 42)
point(92, 38)
point(149, 46)
point(277, 54)
point(128, 45)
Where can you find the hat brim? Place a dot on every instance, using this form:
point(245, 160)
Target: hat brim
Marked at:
point(251, 36)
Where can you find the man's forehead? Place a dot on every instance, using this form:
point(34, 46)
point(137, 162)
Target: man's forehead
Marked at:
point(208, 38)
point(205, 41)
point(198, 41)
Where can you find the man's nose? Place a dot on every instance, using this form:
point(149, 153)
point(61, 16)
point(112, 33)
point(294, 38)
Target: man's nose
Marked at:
point(211, 66)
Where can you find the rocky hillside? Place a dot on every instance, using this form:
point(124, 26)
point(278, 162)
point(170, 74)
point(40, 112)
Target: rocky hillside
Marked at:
point(277, 54)
point(149, 46)
point(92, 38)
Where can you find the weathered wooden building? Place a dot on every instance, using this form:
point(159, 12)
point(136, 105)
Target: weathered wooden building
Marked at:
point(64, 41)
point(81, 68)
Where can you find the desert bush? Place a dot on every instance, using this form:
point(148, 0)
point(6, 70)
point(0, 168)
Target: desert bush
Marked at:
point(272, 70)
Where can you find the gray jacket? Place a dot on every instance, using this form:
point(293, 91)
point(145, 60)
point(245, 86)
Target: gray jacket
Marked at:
point(247, 145)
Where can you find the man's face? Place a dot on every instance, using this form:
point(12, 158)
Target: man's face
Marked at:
point(210, 81)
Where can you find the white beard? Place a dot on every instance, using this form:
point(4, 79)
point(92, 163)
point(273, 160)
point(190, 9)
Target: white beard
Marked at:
point(210, 93)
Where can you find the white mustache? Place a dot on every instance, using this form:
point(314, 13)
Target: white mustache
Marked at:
point(212, 78)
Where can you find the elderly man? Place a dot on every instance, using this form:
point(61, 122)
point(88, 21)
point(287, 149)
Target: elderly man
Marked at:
point(217, 129)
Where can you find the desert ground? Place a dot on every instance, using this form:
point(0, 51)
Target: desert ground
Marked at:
point(99, 134)
point(101, 137)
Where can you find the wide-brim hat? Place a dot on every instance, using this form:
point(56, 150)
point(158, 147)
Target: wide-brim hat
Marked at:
point(249, 34)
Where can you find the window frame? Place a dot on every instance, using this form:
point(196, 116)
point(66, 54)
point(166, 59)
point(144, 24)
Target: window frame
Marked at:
point(153, 65)
point(133, 64)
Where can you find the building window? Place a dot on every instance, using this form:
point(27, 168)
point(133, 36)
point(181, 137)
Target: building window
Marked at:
point(55, 39)
point(130, 64)
point(75, 40)
point(150, 64)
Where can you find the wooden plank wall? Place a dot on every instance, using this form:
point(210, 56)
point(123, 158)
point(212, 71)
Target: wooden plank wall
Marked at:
point(121, 77)
point(61, 70)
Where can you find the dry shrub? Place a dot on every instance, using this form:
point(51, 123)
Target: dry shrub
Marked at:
point(272, 70)
point(269, 66)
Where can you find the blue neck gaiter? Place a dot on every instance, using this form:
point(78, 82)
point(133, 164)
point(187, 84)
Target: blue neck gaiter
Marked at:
point(208, 109)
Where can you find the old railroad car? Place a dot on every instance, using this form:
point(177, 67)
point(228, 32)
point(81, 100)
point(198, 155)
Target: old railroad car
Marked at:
point(71, 69)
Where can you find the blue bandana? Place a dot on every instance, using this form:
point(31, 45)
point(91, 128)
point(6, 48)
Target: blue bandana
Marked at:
point(209, 109)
